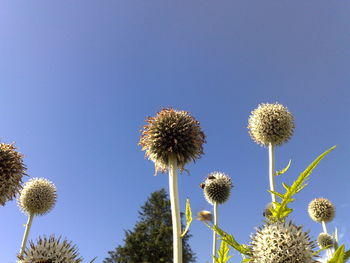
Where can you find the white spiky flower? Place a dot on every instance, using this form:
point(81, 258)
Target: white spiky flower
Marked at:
point(271, 124)
point(282, 243)
point(321, 209)
point(37, 197)
point(51, 250)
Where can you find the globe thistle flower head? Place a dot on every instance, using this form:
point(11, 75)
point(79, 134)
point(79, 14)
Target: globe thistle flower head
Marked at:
point(204, 216)
point(271, 124)
point(51, 250)
point(217, 188)
point(12, 170)
point(324, 240)
point(281, 242)
point(321, 209)
point(37, 197)
point(172, 134)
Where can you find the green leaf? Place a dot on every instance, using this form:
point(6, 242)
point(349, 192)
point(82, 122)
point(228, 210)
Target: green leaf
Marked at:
point(246, 260)
point(223, 256)
point(277, 193)
point(285, 169)
point(188, 217)
point(320, 250)
point(93, 259)
point(281, 211)
point(338, 256)
point(229, 239)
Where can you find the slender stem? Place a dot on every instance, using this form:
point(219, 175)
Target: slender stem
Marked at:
point(175, 211)
point(26, 234)
point(214, 233)
point(272, 171)
point(324, 227)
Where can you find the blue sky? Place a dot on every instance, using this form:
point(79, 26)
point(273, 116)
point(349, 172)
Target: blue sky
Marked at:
point(78, 78)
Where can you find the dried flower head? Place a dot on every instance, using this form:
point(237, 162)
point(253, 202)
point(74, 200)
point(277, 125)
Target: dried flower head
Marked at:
point(172, 134)
point(37, 197)
point(271, 123)
point(51, 250)
point(12, 171)
point(321, 209)
point(324, 240)
point(217, 188)
point(281, 243)
point(205, 216)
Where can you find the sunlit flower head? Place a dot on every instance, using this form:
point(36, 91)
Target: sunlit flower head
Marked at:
point(51, 250)
point(12, 170)
point(281, 243)
point(271, 123)
point(172, 134)
point(321, 209)
point(37, 197)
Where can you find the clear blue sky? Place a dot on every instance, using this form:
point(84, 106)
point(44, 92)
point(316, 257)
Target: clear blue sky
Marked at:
point(78, 78)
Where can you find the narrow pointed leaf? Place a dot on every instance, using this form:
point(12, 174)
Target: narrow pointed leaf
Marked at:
point(285, 169)
point(188, 217)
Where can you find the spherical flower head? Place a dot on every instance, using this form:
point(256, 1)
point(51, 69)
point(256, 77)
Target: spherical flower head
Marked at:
point(281, 243)
point(217, 188)
point(51, 250)
point(172, 134)
point(321, 209)
point(324, 240)
point(204, 216)
point(12, 171)
point(271, 124)
point(37, 197)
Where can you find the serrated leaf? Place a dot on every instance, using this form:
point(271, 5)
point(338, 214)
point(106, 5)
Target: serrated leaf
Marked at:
point(223, 256)
point(281, 211)
point(276, 193)
point(338, 256)
point(229, 239)
point(285, 169)
point(188, 217)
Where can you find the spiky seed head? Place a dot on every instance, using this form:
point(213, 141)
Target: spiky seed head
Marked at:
point(172, 134)
point(281, 242)
point(271, 123)
point(37, 197)
point(217, 188)
point(324, 240)
point(205, 216)
point(12, 170)
point(52, 250)
point(321, 209)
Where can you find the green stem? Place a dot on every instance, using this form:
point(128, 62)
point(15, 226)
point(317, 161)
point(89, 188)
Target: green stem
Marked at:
point(272, 171)
point(175, 211)
point(214, 233)
point(26, 234)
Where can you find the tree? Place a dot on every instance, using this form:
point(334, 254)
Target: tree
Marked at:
point(151, 239)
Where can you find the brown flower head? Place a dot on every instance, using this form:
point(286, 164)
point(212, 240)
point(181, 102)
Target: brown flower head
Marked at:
point(321, 209)
point(12, 170)
point(271, 123)
point(172, 133)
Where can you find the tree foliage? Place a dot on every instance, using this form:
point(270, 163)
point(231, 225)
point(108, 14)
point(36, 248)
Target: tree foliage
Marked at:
point(151, 239)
